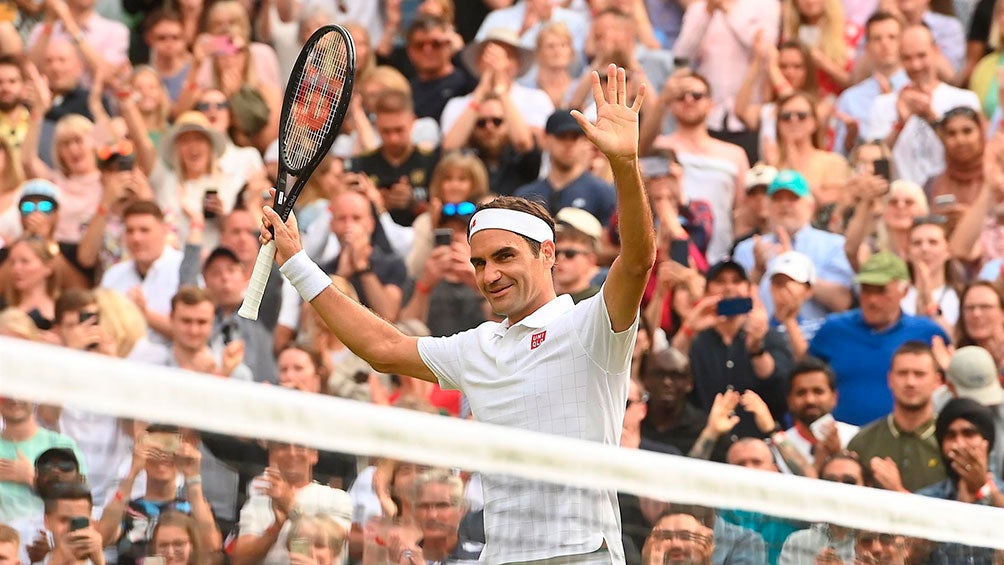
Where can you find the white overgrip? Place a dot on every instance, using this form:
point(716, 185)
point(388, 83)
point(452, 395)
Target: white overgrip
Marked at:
point(259, 278)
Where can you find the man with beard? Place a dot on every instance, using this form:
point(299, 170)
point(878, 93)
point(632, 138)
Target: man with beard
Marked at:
point(713, 170)
point(812, 395)
point(683, 535)
point(901, 449)
point(13, 114)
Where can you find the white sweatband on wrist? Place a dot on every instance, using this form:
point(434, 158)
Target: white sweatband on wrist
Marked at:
point(306, 277)
point(514, 221)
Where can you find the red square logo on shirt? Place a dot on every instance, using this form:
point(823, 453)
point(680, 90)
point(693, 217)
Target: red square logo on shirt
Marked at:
point(537, 339)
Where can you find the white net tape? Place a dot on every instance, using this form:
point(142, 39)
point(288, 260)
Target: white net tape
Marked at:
point(48, 374)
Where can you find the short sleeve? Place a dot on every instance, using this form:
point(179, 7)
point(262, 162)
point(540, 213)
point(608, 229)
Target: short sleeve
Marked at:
point(609, 349)
point(443, 357)
point(256, 516)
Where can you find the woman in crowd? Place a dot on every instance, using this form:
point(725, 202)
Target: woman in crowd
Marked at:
point(981, 320)
point(934, 276)
point(325, 537)
point(190, 174)
point(11, 177)
point(985, 81)
point(152, 100)
point(33, 285)
point(831, 39)
point(303, 368)
point(176, 539)
point(458, 183)
point(883, 223)
point(76, 173)
point(786, 69)
point(243, 162)
point(555, 57)
point(961, 132)
point(121, 319)
point(800, 147)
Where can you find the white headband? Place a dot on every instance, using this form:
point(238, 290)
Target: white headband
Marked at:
point(515, 221)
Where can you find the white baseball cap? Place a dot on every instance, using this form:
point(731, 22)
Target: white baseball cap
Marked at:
point(760, 175)
point(973, 373)
point(793, 264)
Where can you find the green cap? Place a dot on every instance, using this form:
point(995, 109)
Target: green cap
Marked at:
point(790, 180)
point(881, 269)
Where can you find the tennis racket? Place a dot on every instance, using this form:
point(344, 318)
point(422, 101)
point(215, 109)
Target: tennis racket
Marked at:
point(317, 97)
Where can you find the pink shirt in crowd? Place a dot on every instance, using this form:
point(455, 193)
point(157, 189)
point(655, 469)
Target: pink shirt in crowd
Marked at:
point(108, 37)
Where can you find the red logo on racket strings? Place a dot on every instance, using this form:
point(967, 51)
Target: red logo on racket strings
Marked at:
point(537, 339)
point(315, 109)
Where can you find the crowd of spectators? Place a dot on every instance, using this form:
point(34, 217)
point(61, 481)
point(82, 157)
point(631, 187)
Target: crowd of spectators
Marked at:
point(826, 179)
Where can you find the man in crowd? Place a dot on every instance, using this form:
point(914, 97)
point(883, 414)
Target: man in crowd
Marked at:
point(882, 36)
point(13, 113)
point(436, 78)
point(901, 449)
point(569, 182)
point(713, 171)
point(150, 276)
point(67, 507)
point(101, 40)
point(440, 507)
point(789, 213)
point(755, 357)
point(972, 373)
point(285, 491)
point(683, 534)
point(576, 244)
point(21, 442)
point(904, 119)
point(812, 395)
point(529, 16)
point(670, 419)
point(64, 74)
point(859, 344)
point(946, 31)
point(400, 169)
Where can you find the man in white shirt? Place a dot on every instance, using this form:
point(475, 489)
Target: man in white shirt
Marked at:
point(812, 395)
point(527, 17)
point(150, 278)
point(904, 119)
point(550, 366)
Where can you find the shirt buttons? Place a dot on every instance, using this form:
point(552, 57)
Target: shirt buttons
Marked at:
point(730, 364)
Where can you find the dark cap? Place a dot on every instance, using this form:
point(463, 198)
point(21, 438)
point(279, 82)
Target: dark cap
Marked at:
point(220, 253)
point(726, 265)
point(562, 122)
point(55, 455)
point(965, 409)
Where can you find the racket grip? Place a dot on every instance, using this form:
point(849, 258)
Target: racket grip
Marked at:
point(259, 278)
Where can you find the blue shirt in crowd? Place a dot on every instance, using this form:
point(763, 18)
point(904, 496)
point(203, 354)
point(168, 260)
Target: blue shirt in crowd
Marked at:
point(587, 192)
point(860, 356)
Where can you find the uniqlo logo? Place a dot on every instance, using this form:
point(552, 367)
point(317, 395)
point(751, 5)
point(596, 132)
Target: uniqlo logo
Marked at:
point(537, 339)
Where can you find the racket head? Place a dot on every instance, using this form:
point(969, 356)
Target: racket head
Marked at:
point(314, 107)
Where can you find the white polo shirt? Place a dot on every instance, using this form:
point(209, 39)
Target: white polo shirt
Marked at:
point(561, 370)
point(159, 285)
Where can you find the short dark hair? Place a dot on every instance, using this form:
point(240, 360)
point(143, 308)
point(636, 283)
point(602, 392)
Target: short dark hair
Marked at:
point(393, 102)
point(161, 15)
point(73, 300)
point(532, 207)
point(425, 22)
point(189, 295)
point(703, 514)
point(12, 61)
point(66, 491)
point(143, 208)
point(866, 475)
point(812, 365)
point(914, 347)
point(877, 17)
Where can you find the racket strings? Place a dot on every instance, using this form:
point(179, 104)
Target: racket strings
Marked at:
point(317, 92)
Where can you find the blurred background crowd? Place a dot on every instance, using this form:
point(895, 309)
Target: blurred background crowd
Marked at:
point(826, 179)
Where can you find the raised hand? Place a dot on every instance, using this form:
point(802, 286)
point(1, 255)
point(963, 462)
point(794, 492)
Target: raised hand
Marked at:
point(615, 132)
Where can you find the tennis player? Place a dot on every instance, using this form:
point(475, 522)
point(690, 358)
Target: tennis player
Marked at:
point(550, 366)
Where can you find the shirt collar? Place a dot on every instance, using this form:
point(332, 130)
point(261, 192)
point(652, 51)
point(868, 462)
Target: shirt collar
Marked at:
point(541, 316)
point(925, 431)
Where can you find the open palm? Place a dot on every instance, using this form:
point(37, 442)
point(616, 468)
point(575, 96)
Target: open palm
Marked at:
point(615, 132)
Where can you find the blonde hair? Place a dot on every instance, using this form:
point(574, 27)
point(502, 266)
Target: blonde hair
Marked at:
point(832, 42)
point(388, 77)
point(17, 323)
point(164, 109)
point(120, 318)
point(554, 28)
point(71, 125)
point(359, 33)
point(334, 534)
point(45, 253)
point(237, 9)
point(470, 165)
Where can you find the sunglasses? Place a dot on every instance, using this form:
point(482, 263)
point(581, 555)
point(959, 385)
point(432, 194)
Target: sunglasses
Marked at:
point(62, 466)
point(44, 206)
point(642, 400)
point(930, 220)
point(482, 122)
point(569, 253)
point(695, 95)
point(846, 479)
point(434, 43)
point(121, 148)
point(206, 106)
point(790, 116)
point(461, 209)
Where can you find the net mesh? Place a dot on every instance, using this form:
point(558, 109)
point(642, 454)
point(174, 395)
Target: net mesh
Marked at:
point(428, 471)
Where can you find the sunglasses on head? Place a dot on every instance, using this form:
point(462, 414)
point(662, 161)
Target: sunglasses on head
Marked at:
point(206, 106)
point(930, 220)
point(43, 206)
point(482, 122)
point(120, 148)
point(695, 95)
point(459, 209)
point(789, 116)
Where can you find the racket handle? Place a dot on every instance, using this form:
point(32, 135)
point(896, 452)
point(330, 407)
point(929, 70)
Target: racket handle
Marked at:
point(259, 278)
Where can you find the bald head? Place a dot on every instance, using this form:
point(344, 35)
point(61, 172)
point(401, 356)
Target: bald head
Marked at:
point(916, 53)
point(63, 66)
point(751, 453)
